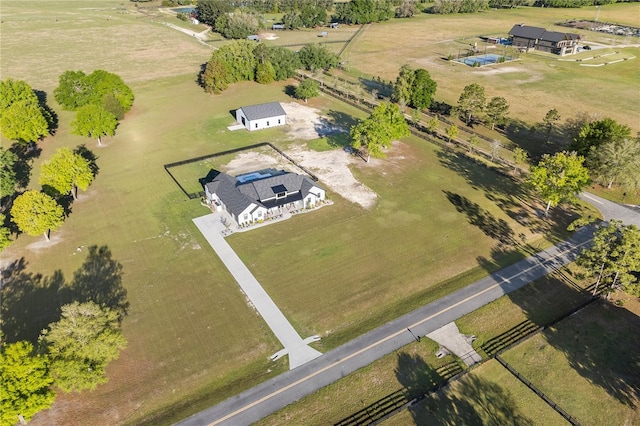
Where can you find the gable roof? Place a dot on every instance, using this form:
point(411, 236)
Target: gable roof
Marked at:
point(537, 33)
point(524, 31)
point(256, 112)
point(555, 36)
point(224, 186)
point(237, 196)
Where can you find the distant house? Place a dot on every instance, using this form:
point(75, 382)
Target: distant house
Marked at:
point(263, 116)
point(257, 196)
point(525, 38)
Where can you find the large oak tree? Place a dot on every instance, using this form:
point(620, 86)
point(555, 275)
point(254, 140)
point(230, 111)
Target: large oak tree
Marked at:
point(37, 213)
point(25, 385)
point(81, 345)
point(558, 178)
point(66, 171)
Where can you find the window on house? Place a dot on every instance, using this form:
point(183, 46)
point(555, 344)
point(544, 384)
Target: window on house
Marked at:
point(267, 123)
point(278, 121)
point(260, 214)
point(256, 125)
point(246, 216)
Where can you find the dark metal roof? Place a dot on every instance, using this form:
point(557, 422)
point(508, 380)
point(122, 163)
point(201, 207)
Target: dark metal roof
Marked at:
point(537, 33)
point(525, 31)
point(237, 196)
point(256, 112)
point(555, 36)
point(224, 186)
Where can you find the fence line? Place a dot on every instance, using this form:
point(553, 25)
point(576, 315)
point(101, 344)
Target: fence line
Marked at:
point(538, 392)
point(416, 129)
point(192, 195)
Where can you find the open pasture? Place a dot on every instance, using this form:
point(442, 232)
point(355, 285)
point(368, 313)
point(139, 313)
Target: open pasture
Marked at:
point(532, 86)
point(193, 340)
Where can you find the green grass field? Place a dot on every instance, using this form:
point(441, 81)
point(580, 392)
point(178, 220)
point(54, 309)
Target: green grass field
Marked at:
point(193, 340)
point(489, 394)
point(594, 359)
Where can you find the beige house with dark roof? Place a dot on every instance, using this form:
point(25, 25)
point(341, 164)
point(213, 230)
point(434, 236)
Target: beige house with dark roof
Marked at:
point(525, 38)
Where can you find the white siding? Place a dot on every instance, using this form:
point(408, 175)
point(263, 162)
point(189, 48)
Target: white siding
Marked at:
point(263, 123)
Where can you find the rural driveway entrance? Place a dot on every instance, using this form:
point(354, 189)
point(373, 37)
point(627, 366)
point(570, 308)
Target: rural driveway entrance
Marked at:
point(299, 353)
point(272, 395)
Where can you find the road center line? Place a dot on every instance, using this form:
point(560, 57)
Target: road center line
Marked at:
point(391, 336)
point(591, 198)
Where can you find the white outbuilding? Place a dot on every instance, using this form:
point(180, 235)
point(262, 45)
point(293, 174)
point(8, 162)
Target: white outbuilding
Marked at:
point(263, 116)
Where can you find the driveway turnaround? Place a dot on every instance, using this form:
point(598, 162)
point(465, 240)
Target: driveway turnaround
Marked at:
point(450, 338)
point(272, 395)
point(297, 349)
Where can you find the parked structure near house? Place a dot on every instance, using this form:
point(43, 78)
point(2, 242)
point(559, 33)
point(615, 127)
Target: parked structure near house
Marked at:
point(262, 116)
point(334, 25)
point(253, 38)
point(258, 196)
point(535, 38)
point(277, 27)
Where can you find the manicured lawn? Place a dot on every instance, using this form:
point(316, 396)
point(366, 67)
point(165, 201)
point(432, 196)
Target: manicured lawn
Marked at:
point(587, 364)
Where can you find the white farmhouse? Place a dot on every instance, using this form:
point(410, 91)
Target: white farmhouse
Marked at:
point(257, 196)
point(263, 116)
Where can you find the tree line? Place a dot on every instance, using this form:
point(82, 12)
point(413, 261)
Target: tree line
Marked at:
point(100, 99)
point(244, 60)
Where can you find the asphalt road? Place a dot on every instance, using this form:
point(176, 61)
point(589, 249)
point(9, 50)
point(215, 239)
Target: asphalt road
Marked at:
point(270, 396)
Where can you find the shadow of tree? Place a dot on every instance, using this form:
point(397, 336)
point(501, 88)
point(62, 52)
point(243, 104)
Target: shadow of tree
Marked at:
point(88, 155)
point(602, 344)
point(64, 200)
point(416, 375)
point(468, 401)
point(498, 229)
point(26, 153)
point(99, 280)
point(290, 90)
point(51, 116)
point(379, 87)
point(335, 126)
point(30, 302)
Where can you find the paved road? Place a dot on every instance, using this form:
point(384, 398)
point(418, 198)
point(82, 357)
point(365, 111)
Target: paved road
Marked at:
point(628, 214)
point(270, 396)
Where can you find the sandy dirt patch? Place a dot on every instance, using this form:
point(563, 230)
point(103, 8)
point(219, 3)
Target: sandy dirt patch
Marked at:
point(268, 36)
point(331, 167)
point(307, 123)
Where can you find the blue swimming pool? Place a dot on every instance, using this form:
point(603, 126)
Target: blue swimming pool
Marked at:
point(188, 10)
point(249, 177)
